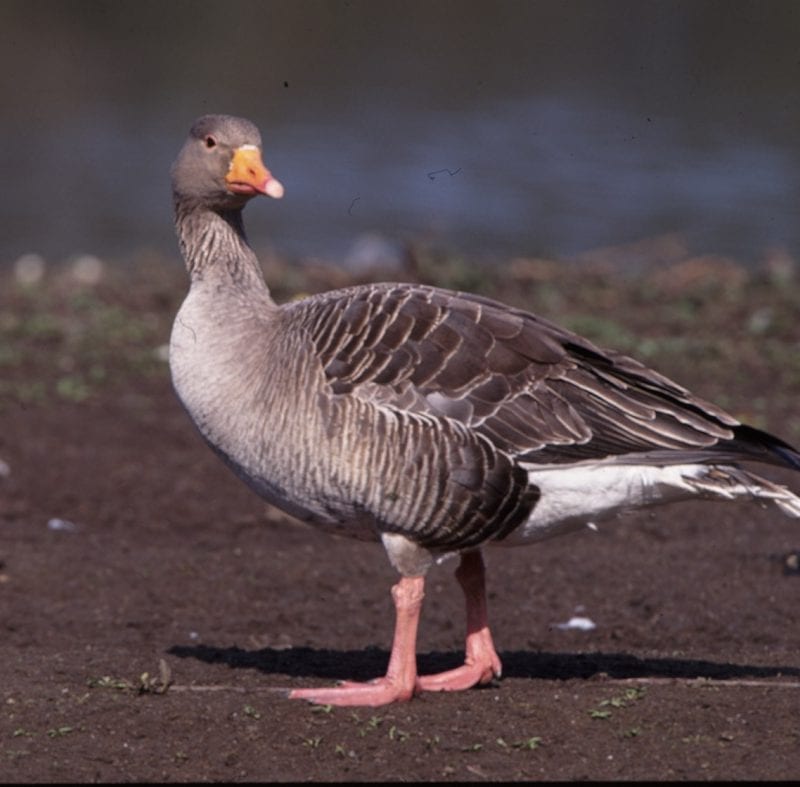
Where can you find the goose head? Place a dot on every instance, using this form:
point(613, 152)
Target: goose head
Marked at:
point(220, 165)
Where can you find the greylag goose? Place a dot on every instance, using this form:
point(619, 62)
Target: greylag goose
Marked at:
point(435, 422)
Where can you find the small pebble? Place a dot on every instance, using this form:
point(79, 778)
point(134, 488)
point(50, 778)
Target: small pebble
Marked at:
point(29, 269)
point(161, 353)
point(61, 524)
point(577, 622)
point(88, 269)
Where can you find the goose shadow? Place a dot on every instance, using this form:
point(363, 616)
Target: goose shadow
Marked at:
point(369, 663)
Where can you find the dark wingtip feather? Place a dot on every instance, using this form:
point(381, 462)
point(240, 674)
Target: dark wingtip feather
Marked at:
point(789, 456)
point(765, 447)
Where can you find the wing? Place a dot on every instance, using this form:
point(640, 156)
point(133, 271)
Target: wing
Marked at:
point(535, 390)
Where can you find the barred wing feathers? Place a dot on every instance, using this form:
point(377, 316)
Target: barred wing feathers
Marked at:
point(536, 391)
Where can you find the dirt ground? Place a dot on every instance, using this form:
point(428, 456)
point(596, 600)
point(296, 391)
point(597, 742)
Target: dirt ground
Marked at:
point(151, 607)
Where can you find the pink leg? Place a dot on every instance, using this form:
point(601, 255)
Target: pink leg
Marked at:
point(400, 681)
point(481, 662)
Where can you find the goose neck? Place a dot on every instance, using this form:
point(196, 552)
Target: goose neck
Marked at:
point(214, 245)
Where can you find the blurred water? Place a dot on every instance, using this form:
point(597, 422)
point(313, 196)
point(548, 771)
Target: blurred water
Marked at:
point(504, 128)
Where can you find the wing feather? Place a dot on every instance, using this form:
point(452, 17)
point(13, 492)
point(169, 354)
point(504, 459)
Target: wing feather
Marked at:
point(529, 386)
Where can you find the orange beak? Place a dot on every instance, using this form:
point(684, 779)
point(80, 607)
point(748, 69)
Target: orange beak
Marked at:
point(248, 175)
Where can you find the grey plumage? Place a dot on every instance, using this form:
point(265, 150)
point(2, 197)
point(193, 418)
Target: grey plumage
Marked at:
point(432, 420)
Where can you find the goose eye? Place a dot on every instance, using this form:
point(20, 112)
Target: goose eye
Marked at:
point(210, 142)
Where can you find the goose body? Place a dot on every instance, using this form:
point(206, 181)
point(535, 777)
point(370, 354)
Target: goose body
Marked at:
point(435, 422)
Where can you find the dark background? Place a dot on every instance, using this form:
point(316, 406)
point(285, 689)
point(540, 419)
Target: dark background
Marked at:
point(567, 125)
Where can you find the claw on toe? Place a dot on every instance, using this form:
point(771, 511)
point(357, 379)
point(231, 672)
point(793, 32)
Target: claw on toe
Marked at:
point(348, 693)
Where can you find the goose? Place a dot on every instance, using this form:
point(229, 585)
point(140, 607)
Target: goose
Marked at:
point(435, 422)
